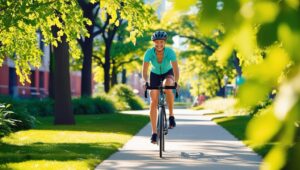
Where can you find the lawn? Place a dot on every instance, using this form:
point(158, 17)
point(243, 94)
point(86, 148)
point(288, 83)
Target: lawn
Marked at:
point(82, 146)
point(237, 125)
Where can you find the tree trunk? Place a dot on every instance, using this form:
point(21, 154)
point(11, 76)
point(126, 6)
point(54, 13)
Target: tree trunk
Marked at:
point(63, 113)
point(86, 72)
point(114, 80)
point(124, 80)
point(51, 74)
point(236, 63)
point(106, 68)
point(221, 91)
point(87, 48)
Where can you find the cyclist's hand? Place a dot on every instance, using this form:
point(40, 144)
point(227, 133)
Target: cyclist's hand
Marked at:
point(177, 86)
point(145, 86)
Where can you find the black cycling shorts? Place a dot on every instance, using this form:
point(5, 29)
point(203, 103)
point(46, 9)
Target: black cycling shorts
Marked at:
point(156, 78)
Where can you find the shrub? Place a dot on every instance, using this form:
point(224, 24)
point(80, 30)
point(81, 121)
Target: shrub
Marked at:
point(224, 105)
point(87, 105)
point(104, 105)
point(44, 107)
point(135, 103)
point(125, 98)
point(262, 105)
point(25, 119)
point(84, 105)
point(35, 107)
point(6, 123)
point(227, 106)
point(13, 121)
point(5, 99)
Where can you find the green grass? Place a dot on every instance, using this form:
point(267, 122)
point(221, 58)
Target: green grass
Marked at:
point(80, 146)
point(185, 104)
point(200, 107)
point(237, 125)
point(223, 105)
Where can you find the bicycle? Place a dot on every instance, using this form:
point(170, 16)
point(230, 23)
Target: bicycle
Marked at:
point(162, 126)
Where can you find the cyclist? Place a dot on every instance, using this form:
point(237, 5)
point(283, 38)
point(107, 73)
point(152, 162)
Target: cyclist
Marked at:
point(164, 68)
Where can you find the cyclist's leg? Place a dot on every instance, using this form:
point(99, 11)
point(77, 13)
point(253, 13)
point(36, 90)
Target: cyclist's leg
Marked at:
point(153, 109)
point(154, 94)
point(169, 81)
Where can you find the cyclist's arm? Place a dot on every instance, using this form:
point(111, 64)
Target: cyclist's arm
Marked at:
point(145, 71)
point(176, 70)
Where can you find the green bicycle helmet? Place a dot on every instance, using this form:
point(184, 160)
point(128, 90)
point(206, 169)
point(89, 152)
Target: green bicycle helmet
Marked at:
point(159, 35)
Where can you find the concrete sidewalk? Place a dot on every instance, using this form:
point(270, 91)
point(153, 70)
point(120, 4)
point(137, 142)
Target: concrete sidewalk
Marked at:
point(196, 143)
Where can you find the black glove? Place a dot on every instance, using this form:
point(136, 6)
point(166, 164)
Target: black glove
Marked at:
point(147, 84)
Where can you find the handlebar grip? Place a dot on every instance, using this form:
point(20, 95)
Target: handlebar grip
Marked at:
point(176, 95)
point(145, 93)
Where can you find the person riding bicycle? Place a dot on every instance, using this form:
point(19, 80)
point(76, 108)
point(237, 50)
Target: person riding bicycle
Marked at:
point(165, 69)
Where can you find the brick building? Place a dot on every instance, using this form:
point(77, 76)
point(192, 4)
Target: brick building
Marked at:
point(39, 87)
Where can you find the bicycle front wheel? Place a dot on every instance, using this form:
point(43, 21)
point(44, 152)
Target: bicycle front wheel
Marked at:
point(161, 131)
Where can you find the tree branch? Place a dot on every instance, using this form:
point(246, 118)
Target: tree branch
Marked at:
point(82, 3)
point(80, 41)
point(111, 34)
point(99, 60)
point(97, 10)
point(125, 62)
point(97, 33)
point(199, 41)
point(104, 38)
point(102, 29)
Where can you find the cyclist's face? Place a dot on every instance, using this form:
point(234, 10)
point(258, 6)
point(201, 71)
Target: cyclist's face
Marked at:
point(159, 44)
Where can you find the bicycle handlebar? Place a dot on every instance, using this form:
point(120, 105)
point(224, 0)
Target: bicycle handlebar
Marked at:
point(159, 87)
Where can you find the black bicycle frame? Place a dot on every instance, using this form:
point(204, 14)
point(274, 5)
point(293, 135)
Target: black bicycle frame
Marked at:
point(162, 127)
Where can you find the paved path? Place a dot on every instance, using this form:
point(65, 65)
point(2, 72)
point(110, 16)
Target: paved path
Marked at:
point(196, 143)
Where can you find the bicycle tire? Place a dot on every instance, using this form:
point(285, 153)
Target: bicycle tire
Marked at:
point(161, 131)
point(165, 128)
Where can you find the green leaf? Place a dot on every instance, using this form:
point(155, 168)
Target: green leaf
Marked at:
point(263, 127)
point(251, 92)
point(267, 34)
point(245, 41)
point(261, 15)
point(183, 5)
point(290, 40)
point(286, 98)
point(293, 3)
point(275, 159)
point(224, 52)
point(212, 17)
point(270, 69)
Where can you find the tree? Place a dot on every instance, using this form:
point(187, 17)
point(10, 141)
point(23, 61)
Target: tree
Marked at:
point(112, 13)
point(19, 22)
point(249, 28)
point(126, 55)
point(138, 17)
